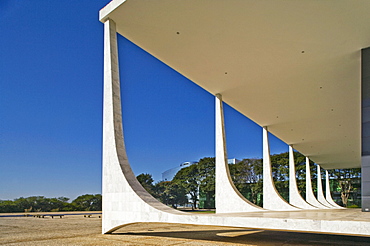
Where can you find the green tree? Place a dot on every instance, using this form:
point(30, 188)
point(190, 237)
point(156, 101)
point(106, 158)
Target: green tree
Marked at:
point(207, 172)
point(300, 168)
point(345, 189)
point(280, 171)
point(88, 202)
point(146, 180)
point(256, 183)
point(40, 203)
point(247, 178)
point(196, 178)
point(345, 185)
point(44, 204)
point(8, 206)
point(241, 174)
point(189, 178)
point(171, 193)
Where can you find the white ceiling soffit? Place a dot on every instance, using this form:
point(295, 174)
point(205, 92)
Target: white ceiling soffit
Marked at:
point(293, 66)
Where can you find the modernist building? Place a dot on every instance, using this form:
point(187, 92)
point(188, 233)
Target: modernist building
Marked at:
point(296, 68)
point(169, 174)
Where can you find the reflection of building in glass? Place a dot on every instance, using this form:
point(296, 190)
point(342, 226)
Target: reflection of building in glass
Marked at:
point(170, 173)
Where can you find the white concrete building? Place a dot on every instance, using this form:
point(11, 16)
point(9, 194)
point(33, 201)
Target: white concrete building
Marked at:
point(302, 69)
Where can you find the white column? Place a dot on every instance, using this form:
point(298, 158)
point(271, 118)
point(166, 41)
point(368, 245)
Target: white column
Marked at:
point(228, 198)
point(124, 199)
point(295, 197)
point(320, 193)
point(271, 197)
point(310, 197)
point(328, 192)
point(112, 132)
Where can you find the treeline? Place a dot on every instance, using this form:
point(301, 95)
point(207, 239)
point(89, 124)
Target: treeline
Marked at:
point(86, 202)
point(195, 184)
point(188, 182)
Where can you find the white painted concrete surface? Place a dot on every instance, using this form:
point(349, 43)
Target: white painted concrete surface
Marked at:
point(124, 199)
point(295, 197)
point(320, 193)
point(271, 197)
point(228, 198)
point(310, 197)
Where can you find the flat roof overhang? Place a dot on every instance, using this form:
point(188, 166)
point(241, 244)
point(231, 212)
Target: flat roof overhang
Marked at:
point(293, 66)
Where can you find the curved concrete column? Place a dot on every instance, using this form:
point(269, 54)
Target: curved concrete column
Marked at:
point(328, 192)
point(295, 197)
point(228, 198)
point(271, 197)
point(310, 197)
point(124, 199)
point(320, 193)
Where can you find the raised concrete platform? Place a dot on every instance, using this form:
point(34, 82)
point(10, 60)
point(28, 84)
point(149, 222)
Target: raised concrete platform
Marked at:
point(337, 221)
point(334, 221)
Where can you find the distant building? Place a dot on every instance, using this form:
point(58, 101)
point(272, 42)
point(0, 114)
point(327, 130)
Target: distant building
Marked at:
point(170, 173)
point(233, 161)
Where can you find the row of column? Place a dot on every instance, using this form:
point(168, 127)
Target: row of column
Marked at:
point(230, 200)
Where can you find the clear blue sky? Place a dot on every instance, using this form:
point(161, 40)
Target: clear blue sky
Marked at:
point(51, 74)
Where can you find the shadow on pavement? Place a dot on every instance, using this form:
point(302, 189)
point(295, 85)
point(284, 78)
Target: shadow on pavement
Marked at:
point(242, 235)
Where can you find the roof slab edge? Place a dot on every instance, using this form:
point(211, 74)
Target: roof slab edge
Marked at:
point(109, 8)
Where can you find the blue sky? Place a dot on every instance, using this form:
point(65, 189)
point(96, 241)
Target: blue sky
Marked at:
point(51, 74)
